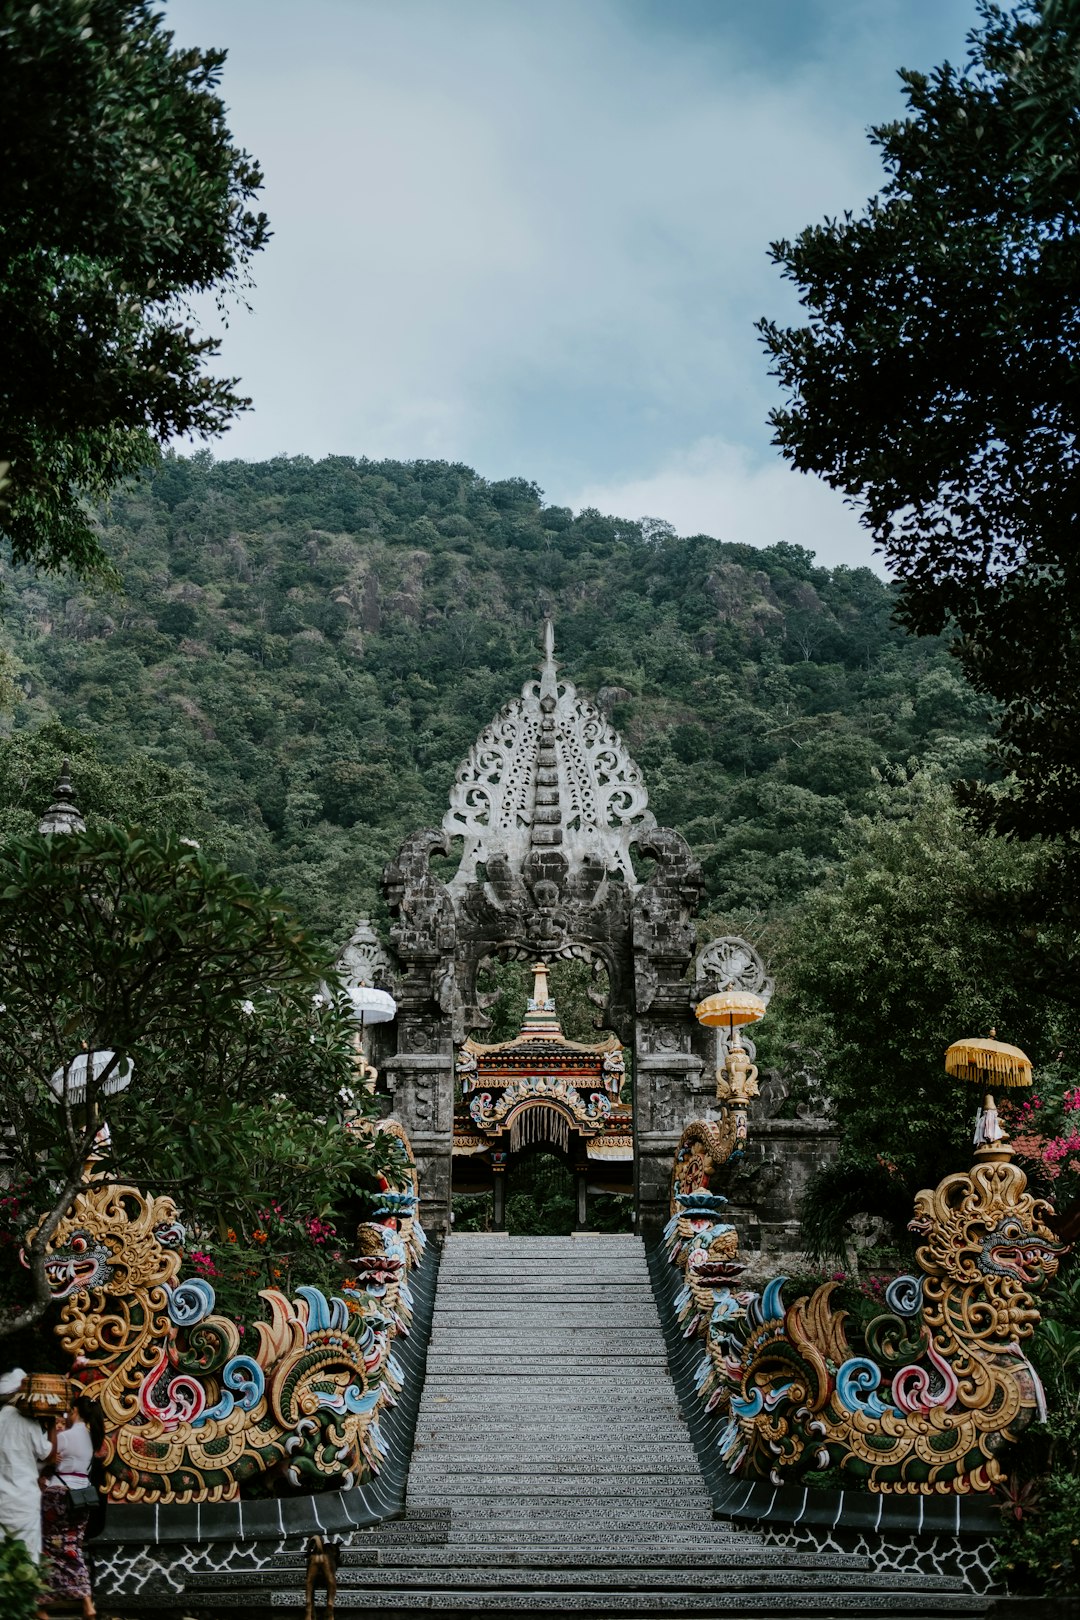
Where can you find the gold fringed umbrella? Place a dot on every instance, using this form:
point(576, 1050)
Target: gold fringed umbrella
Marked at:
point(736, 1078)
point(988, 1062)
point(730, 1009)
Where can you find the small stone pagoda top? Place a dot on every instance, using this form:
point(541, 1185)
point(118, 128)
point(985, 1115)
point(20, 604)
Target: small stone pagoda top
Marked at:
point(540, 1041)
point(63, 815)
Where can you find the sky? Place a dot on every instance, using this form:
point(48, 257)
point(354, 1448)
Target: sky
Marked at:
point(531, 235)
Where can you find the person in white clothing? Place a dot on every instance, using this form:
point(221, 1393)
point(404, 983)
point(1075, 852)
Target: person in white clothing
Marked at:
point(64, 1513)
point(25, 1449)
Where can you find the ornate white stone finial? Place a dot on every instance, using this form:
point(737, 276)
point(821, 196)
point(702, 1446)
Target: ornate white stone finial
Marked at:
point(549, 772)
point(549, 683)
point(363, 960)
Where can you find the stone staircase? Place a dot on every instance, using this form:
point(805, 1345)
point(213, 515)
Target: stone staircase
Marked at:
point(552, 1472)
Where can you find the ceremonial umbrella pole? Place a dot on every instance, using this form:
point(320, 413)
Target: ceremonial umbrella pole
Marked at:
point(372, 1007)
point(986, 1061)
point(736, 1077)
point(75, 1083)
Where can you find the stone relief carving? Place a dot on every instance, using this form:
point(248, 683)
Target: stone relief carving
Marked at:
point(731, 963)
point(364, 961)
point(549, 773)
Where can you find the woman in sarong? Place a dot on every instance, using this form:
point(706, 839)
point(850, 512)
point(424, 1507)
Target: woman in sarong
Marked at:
point(65, 1519)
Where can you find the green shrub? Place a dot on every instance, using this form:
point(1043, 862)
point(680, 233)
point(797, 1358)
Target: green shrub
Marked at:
point(21, 1586)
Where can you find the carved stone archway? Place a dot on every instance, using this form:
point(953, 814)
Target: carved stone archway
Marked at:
point(550, 822)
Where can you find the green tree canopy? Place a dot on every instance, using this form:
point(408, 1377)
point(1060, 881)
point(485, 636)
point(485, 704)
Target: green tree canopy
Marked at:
point(142, 951)
point(131, 789)
point(917, 940)
point(122, 195)
point(937, 379)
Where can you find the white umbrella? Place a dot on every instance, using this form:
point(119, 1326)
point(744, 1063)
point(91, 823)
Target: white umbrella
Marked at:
point(370, 1005)
point(74, 1075)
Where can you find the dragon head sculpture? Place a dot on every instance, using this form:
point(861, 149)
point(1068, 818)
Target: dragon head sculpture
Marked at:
point(115, 1241)
point(985, 1244)
point(193, 1402)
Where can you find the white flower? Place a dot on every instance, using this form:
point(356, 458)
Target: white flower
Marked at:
point(247, 1007)
point(192, 843)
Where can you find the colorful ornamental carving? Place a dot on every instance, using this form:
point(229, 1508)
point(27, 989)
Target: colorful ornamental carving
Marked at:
point(540, 1088)
point(191, 1409)
point(940, 1380)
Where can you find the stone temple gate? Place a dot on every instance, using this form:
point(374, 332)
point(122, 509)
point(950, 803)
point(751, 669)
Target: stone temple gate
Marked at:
point(558, 855)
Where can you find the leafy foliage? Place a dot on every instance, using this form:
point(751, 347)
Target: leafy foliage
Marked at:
point(1041, 1513)
point(913, 943)
point(119, 942)
point(137, 791)
point(125, 194)
point(316, 645)
point(21, 1586)
point(936, 379)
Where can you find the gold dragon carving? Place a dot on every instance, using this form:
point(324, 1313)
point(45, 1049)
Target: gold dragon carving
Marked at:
point(193, 1407)
point(932, 1388)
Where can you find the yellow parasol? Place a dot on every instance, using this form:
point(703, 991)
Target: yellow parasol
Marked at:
point(988, 1062)
point(730, 1009)
point(736, 1077)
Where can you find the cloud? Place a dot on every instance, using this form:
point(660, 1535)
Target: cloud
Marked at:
point(717, 488)
point(533, 236)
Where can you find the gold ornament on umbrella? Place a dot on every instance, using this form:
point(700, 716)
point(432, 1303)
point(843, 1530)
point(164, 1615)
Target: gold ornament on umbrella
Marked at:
point(736, 1078)
point(988, 1062)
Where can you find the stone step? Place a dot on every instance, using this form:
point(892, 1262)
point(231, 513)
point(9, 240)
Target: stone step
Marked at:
point(480, 1239)
point(440, 1461)
point(535, 1484)
point(284, 1565)
point(614, 1314)
point(521, 1268)
point(710, 1540)
point(553, 1534)
point(512, 1361)
point(525, 1578)
point(635, 1512)
point(560, 1275)
point(617, 1605)
point(468, 1433)
point(469, 1331)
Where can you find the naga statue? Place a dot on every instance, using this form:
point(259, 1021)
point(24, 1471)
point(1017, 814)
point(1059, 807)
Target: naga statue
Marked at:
point(934, 1386)
point(194, 1405)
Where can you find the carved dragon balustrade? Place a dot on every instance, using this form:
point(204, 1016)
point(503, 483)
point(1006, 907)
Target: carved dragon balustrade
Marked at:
point(191, 1409)
point(939, 1381)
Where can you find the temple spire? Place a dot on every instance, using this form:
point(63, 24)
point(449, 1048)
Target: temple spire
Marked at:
point(547, 831)
point(541, 1022)
point(549, 683)
point(62, 816)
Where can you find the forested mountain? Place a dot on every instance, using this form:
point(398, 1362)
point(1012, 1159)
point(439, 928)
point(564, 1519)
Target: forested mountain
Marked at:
point(317, 644)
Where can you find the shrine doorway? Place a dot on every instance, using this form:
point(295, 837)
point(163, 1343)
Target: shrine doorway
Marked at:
point(541, 1194)
point(540, 1117)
